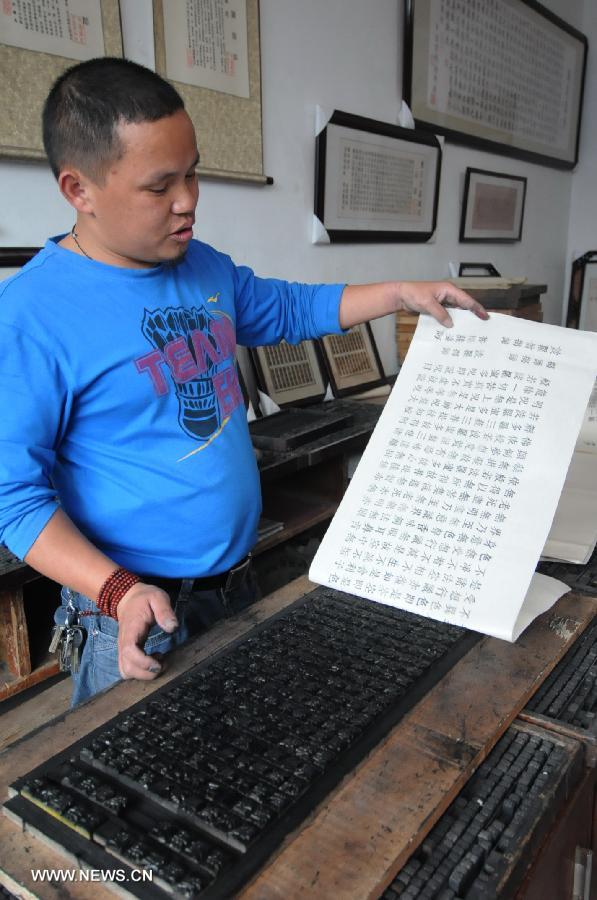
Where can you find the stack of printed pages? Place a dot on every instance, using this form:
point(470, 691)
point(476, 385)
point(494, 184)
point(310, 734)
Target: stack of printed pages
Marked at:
point(573, 534)
point(452, 502)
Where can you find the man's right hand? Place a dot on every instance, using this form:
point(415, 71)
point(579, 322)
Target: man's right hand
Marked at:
point(141, 607)
point(62, 553)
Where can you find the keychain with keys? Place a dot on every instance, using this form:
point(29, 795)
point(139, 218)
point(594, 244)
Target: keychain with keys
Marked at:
point(67, 638)
point(57, 633)
point(72, 655)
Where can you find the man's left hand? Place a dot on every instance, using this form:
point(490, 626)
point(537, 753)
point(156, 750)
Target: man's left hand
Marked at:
point(364, 302)
point(431, 298)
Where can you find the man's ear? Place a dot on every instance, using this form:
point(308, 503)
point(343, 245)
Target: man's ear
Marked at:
point(77, 189)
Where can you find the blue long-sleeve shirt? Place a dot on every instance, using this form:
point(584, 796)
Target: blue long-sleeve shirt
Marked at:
point(120, 401)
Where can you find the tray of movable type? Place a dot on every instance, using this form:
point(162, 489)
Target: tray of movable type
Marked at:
point(6, 895)
point(580, 578)
point(348, 438)
point(364, 417)
point(296, 426)
point(568, 696)
point(201, 781)
point(485, 841)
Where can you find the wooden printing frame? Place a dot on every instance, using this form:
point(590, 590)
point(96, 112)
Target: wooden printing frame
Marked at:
point(228, 127)
point(476, 180)
point(576, 313)
point(327, 169)
point(304, 397)
point(22, 96)
point(344, 386)
point(418, 53)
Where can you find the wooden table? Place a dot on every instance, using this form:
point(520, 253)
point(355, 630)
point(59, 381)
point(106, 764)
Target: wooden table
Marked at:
point(364, 831)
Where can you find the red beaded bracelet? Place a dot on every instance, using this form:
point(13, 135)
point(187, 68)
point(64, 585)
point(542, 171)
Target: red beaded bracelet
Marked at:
point(113, 590)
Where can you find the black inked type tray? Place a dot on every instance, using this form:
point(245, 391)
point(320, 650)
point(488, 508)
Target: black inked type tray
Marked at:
point(569, 693)
point(200, 782)
point(295, 426)
point(483, 844)
point(581, 578)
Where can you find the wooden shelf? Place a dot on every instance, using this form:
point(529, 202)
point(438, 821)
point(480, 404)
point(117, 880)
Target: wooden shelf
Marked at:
point(24, 660)
point(12, 684)
point(302, 500)
point(298, 512)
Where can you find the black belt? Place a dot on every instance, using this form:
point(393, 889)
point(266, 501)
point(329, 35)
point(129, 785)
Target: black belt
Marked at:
point(230, 580)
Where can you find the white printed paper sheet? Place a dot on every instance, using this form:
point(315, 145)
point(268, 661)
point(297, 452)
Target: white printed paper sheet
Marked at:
point(573, 534)
point(587, 439)
point(452, 501)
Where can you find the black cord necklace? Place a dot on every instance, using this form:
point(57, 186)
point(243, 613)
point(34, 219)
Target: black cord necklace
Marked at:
point(74, 237)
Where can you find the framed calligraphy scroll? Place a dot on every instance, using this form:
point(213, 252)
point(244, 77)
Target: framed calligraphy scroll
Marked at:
point(39, 40)
point(374, 182)
point(507, 77)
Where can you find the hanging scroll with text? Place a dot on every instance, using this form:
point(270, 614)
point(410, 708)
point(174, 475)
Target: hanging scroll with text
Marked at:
point(39, 40)
point(506, 76)
point(452, 501)
point(209, 49)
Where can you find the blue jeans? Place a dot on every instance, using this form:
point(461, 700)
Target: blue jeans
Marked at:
point(98, 667)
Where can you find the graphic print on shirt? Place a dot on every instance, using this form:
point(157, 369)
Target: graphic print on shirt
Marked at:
point(197, 349)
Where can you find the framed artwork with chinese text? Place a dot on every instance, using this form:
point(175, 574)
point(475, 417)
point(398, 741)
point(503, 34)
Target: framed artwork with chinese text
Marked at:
point(492, 207)
point(505, 76)
point(374, 181)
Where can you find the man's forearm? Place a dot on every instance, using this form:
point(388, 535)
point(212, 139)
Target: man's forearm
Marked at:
point(63, 554)
point(363, 302)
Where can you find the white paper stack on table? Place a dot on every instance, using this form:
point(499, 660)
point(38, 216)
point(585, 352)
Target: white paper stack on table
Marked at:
point(573, 534)
point(452, 501)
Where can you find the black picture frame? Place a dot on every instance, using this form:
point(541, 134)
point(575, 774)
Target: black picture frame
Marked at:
point(492, 207)
point(483, 113)
point(584, 270)
point(478, 270)
point(301, 387)
point(363, 369)
point(347, 133)
point(16, 257)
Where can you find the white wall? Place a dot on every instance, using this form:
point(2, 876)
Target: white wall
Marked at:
point(342, 54)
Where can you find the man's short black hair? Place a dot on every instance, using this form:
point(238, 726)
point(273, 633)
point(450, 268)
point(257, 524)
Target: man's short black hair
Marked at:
point(89, 101)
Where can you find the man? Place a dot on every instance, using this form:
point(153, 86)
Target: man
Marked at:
point(126, 469)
